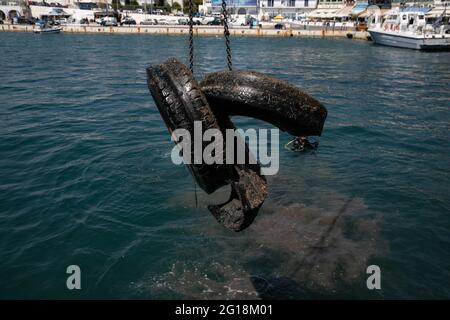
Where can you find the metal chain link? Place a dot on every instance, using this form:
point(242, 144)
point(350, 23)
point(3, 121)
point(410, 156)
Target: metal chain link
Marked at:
point(191, 36)
point(191, 64)
point(226, 33)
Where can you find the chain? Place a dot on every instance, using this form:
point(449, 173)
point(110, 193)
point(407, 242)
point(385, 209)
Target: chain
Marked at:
point(191, 36)
point(226, 33)
point(191, 64)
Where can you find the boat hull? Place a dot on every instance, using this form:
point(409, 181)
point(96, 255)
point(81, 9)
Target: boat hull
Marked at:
point(48, 31)
point(404, 41)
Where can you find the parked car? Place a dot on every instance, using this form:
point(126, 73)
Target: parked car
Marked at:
point(215, 22)
point(157, 11)
point(128, 21)
point(109, 22)
point(41, 22)
point(149, 22)
point(280, 26)
point(183, 21)
point(238, 21)
point(23, 20)
point(202, 20)
point(253, 22)
point(163, 22)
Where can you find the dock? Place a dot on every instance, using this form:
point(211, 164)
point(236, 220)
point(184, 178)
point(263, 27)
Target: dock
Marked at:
point(198, 30)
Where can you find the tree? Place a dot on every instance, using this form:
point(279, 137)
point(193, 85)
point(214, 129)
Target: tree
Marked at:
point(196, 3)
point(131, 5)
point(167, 7)
point(116, 4)
point(176, 6)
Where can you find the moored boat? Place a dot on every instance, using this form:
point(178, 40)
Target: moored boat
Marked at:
point(412, 28)
point(47, 29)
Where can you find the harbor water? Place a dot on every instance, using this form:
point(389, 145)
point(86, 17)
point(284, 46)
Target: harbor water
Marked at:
point(86, 177)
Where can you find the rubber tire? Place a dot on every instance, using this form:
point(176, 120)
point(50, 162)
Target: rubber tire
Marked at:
point(253, 94)
point(180, 103)
point(248, 188)
point(248, 193)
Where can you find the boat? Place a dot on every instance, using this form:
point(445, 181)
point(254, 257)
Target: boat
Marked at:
point(412, 28)
point(47, 29)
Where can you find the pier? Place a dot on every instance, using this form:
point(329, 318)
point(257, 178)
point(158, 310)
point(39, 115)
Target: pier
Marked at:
point(198, 30)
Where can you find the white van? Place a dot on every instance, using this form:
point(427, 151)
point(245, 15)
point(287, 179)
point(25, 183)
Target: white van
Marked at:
point(109, 21)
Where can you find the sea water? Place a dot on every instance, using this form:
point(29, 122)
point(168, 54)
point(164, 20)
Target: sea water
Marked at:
point(86, 176)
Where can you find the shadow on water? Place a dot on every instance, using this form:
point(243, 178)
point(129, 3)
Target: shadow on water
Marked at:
point(287, 288)
point(290, 252)
point(314, 251)
point(283, 288)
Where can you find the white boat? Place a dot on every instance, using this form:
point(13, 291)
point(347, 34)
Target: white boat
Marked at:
point(412, 28)
point(46, 29)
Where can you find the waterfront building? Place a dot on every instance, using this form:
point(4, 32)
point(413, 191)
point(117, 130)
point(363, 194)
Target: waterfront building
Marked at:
point(442, 3)
point(263, 9)
point(382, 4)
point(318, 9)
point(331, 9)
point(359, 7)
point(240, 7)
point(10, 9)
point(411, 3)
point(151, 3)
point(205, 7)
point(343, 10)
point(440, 8)
point(286, 8)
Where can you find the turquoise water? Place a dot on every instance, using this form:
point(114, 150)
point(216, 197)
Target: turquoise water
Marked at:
point(86, 176)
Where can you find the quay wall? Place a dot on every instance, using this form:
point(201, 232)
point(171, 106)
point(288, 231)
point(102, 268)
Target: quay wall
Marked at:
point(198, 30)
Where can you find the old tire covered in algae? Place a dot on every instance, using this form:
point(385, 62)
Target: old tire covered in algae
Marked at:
point(180, 103)
point(253, 94)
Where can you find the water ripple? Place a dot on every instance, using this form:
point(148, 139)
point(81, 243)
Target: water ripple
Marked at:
point(86, 176)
